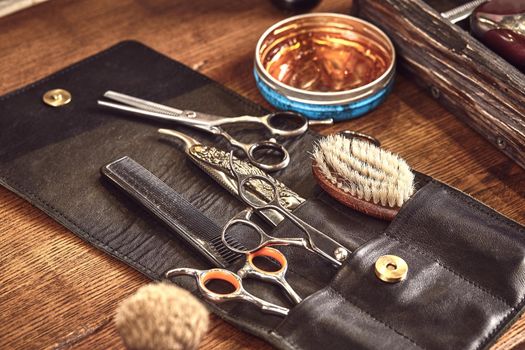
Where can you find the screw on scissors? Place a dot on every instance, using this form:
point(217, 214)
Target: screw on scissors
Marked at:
point(212, 124)
point(235, 280)
point(331, 251)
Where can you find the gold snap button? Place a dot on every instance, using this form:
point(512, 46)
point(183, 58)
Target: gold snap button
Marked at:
point(391, 268)
point(57, 97)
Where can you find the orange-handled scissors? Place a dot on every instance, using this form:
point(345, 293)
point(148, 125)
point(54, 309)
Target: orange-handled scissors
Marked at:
point(235, 280)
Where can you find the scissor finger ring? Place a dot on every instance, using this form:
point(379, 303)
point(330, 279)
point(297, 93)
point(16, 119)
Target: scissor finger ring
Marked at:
point(279, 123)
point(205, 276)
point(274, 276)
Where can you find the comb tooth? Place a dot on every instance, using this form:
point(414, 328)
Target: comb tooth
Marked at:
point(226, 254)
point(231, 257)
point(216, 239)
point(222, 249)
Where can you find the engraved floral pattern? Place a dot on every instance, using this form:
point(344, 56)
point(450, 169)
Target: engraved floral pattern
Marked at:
point(220, 160)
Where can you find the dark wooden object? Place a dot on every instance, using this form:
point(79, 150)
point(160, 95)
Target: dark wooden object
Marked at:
point(474, 83)
point(56, 291)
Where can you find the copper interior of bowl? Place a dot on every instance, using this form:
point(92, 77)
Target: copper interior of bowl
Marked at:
point(325, 54)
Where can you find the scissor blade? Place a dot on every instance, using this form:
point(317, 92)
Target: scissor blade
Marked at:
point(137, 111)
point(142, 104)
point(152, 110)
point(326, 246)
point(193, 123)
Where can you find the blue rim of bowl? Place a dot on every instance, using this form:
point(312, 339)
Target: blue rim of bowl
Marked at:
point(338, 112)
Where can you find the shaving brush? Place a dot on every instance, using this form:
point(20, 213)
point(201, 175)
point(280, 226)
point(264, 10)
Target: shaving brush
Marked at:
point(161, 316)
point(362, 176)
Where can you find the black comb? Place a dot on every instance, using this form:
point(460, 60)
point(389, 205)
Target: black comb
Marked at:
point(172, 209)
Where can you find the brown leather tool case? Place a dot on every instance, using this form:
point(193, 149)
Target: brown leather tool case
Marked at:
point(466, 279)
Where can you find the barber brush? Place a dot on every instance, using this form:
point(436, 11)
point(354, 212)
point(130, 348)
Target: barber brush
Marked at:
point(161, 316)
point(362, 176)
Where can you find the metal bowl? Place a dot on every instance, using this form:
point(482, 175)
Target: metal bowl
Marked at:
point(324, 65)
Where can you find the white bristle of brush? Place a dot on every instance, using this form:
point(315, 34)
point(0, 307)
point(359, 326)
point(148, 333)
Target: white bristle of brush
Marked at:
point(364, 170)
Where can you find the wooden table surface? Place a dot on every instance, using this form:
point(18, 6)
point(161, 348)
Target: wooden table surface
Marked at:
point(57, 291)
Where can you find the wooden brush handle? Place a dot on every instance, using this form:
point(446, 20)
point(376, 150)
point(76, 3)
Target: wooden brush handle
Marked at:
point(365, 207)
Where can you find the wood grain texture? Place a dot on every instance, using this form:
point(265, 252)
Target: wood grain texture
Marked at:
point(479, 86)
point(57, 291)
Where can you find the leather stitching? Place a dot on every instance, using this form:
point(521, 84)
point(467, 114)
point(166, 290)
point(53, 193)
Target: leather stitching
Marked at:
point(289, 342)
point(399, 225)
point(491, 333)
point(440, 263)
point(374, 318)
point(503, 220)
point(482, 208)
point(330, 289)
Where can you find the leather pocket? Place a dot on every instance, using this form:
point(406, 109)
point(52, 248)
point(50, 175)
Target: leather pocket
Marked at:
point(437, 306)
point(327, 320)
point(433, 308)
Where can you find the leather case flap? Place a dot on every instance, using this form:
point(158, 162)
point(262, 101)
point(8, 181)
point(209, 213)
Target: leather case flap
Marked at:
point(465, 282)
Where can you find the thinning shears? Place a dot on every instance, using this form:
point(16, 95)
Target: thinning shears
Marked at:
point(284, 124)
point(250, 269)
